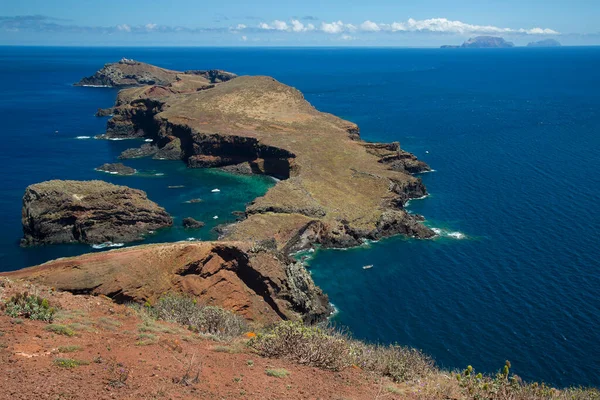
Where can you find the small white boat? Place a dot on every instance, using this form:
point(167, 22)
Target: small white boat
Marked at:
point(426, 151)
point(368, 267)
point(215, 190)
point(215, 217)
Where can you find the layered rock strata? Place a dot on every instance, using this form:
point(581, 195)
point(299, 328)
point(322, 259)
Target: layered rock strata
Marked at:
point(88, 212)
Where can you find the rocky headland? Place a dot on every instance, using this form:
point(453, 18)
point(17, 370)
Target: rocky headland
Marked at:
point(333, 190)
point(88, 212)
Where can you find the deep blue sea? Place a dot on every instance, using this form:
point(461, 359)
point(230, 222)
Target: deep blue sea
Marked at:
point(513, 136)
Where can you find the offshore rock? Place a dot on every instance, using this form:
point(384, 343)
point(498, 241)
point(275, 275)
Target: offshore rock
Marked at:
point(88, 212)
point(191, 223)
point(116, 168)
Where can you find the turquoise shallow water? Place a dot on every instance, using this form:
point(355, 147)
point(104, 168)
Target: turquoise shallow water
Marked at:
point(512, 135)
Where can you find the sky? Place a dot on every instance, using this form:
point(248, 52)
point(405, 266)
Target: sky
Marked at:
point(404, 23)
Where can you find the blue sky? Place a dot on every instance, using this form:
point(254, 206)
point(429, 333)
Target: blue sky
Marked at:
point(295, 23)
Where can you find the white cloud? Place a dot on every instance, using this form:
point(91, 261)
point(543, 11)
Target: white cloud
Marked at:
point(337, 27)
point(432, 25)
point(347, 37)
point(240, 27)
point(244, 38)
point(369, 26)
point(124, 28)
point(280, 25)
point(443, 25)
point(150, 27)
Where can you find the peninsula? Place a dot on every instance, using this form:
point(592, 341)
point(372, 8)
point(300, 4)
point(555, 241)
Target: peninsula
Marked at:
point(334, 190)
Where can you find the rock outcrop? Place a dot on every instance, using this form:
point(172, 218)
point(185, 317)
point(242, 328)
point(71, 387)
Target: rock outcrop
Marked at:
point(116, 168)
point(246, 279)
point(191, 223)
point(87, 212)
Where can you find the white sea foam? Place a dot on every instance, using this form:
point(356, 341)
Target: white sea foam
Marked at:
point(215, 217)
point(149, 140)
point(117, 138)
point(159, 174)
point(335, 311)
point(104, 86)
point(83, 137)
point(449, 234)
point(107, 244)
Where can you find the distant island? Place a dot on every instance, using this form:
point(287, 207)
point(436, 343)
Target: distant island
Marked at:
point(545, 43)
point(483, 42)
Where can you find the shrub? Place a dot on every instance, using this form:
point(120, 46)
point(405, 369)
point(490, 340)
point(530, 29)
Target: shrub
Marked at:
point(397, 362)
point(29, 306)
point(60, 329)
point(199, 318)
point(69, 349)
point(308, 345)
point(69, 362)
point(277, 373)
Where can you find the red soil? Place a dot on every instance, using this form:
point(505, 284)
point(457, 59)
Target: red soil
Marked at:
point(108, 338)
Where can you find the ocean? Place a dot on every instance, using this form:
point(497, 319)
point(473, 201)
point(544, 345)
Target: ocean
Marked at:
point(513, 137)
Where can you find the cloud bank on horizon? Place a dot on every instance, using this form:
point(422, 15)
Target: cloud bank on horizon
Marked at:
point(432, 25)
point(39, 23)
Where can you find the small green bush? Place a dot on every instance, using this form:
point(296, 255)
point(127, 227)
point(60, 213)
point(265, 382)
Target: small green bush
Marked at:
point(208, 320)
point(69, 362)
point(399, 363)
point(309, 345)
point(29, 306)
point(277, 373)
point(69, 349)
point(60, 329)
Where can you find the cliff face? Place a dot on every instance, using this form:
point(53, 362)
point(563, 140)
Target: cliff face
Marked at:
point(244, 278)
point(87, 212)
point(353, 189)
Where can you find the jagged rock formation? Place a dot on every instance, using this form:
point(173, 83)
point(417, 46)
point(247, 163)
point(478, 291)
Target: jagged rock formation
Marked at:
point(116, 168)
point(133, 73)
point(246, 279)
point(87, 212)
point(483, 42)
point(545, 43)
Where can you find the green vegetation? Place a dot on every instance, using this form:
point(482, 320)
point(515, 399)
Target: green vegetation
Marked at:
point(60, 329)
point(69, 362)
point(186, 311)
point(29, 306)
point(277, 372)
point(69, 349)
point(329, 349)
point(145, 339)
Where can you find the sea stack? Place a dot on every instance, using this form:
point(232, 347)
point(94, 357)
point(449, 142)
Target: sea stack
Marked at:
point(90, 212)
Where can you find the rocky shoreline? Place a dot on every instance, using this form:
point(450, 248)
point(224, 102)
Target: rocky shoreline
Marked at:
point(333, 189)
